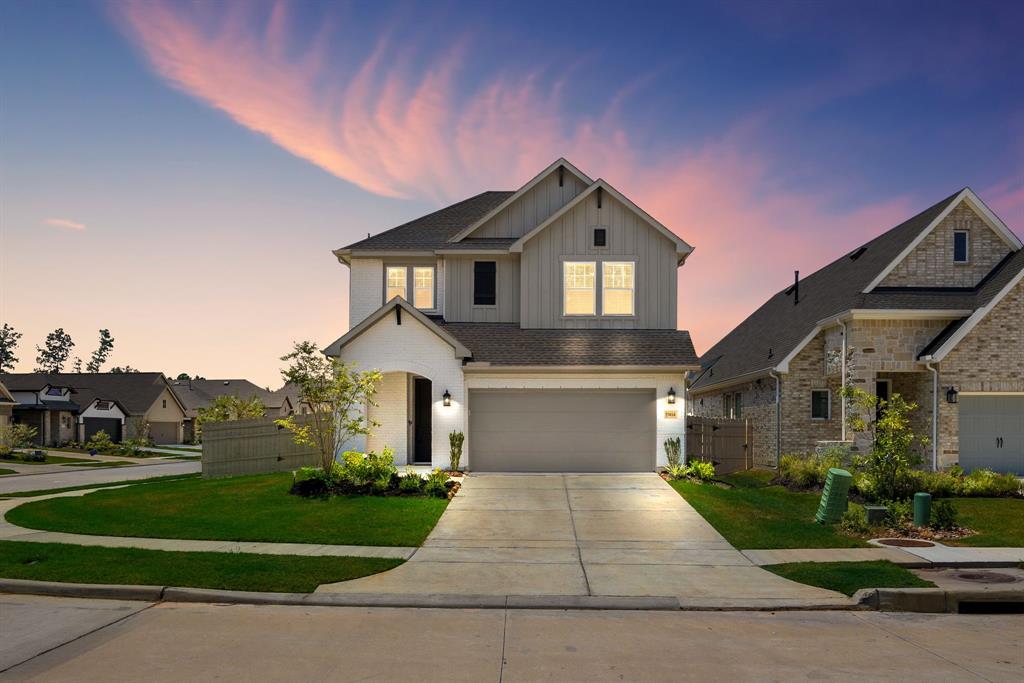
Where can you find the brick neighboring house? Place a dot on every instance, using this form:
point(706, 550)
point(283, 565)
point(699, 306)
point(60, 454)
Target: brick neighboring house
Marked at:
point(200, 393)
point(933, 310)
point(74, 406)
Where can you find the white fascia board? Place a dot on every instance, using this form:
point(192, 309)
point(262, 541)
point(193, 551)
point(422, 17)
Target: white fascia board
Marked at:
point(484, 367)
point(902, 314)
point(967, 194)
point(975, 318)
point(461, 235)
point(783, 366)
point(682, 247)
point(745, 378)
point(334, 348)
point(471, 252)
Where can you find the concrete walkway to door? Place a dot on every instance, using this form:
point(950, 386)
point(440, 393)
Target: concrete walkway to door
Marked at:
point(625, 535)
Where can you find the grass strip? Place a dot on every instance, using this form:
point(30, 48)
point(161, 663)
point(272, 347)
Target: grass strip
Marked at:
point(139, 567)
point(82, 487)
point(849, 577)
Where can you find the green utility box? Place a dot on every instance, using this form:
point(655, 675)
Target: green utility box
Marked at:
point(834, 496)
point(922, 509)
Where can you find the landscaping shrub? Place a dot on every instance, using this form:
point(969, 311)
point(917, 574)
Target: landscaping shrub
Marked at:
point(944, 516)
point(701, 470)
point(673, 451)
point(18, 435)
point(410, 483)
point(6, 452)
point(437, 484)
point(939, 484)
point(101, 443)
point(677, 471)
point(985, 482)
point(455, 441)
point(855, 521)
point(360, 469)
point(898, 513)
point(808, 470)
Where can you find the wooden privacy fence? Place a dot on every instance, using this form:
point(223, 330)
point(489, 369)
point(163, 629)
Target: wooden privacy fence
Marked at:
point(726, 443)
point(252, 447)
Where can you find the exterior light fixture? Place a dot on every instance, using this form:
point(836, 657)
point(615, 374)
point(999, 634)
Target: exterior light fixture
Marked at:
point(671, 396)
point(951, 395)
point(447, 398)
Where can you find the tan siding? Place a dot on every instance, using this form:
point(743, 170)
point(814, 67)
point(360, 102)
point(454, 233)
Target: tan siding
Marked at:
point(629, 238)
point(459, 286)
point(157, 413)
point(533, 208)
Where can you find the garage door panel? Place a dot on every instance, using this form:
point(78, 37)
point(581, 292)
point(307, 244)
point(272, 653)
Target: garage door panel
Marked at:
point(561, 430)
point(992, 433)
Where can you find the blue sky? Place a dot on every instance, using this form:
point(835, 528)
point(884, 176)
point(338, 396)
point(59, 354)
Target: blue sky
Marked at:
point(192, 165)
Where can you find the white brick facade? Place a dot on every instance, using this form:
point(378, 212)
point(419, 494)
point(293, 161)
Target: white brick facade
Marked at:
point(366, 288)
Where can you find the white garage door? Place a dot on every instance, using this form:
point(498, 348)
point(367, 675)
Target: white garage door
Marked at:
point(561, 430)
point(992, 432)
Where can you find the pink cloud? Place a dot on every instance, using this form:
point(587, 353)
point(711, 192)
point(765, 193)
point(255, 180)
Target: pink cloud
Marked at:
point(399, 127)
point(64, 223)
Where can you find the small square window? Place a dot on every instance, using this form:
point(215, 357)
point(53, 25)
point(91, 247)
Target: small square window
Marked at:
point(600, 237)
point(960, 246)
point(821, 404)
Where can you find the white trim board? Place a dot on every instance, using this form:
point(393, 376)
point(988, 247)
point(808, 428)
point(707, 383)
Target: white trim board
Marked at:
point(974, 201)
point(562, 161)
point(334, 348)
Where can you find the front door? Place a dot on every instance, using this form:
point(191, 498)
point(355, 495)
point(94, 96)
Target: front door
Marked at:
point(883, 389)
point(421, 432)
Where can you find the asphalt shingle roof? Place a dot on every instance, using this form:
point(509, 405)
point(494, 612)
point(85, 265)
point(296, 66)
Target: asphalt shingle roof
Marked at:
point(771, 332)
point(199, 393)
point(133, 391)
point(433, 230)
point(508, 344)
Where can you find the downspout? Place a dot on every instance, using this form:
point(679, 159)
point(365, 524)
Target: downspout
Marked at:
point(842, 403)
point(935, 413)
point(778, 417)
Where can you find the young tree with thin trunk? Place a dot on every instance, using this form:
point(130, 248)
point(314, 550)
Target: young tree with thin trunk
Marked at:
point(8, 342)
point(336, 394)
point(102, 353)
point(54, 354)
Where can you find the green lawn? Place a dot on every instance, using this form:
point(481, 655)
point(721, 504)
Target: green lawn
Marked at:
point(98, 463)
point(178, 448)
point(50, 460)
point(81, 487)
point(757, 515)
point(252, 508)
point(4, 471)
point(849, 577)
point(998, 521)
point(134, 566)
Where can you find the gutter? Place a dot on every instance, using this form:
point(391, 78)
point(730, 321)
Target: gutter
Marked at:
point(935, 412)
point(778, 416)
point(842, 402)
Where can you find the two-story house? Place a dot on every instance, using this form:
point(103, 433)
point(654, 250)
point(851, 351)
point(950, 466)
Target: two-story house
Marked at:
point(933, 310)
point(541, 323)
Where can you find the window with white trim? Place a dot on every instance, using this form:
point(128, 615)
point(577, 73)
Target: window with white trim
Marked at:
point(395, 285)
point(617, 288)
point(579, 288)
point(821, 404)
point(961, 244)
point(423, 288)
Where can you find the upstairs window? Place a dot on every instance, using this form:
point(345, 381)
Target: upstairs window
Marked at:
point(617, 288)
point(485, 281)
point(423, 287)
point(600, 237)
point(821, 404)
point(54, 391)
point(960, 246)
point(579, 288)
point(396, 283)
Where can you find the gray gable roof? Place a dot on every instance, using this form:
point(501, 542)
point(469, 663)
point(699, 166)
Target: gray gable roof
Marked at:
point(433, 230)
point(508, 344)
point(775, 329)
point(134, 391)
point(199, 393)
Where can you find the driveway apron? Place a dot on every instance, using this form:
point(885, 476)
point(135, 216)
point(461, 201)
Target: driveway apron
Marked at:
point(578, 534)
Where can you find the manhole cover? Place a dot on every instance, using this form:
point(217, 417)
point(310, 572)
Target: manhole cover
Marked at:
point(985, 577)
point(906, 543)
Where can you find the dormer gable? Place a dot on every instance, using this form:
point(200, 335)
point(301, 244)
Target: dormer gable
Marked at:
point(530, 205)
point(958, 249)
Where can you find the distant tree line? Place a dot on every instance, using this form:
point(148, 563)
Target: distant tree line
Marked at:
point(53, 355)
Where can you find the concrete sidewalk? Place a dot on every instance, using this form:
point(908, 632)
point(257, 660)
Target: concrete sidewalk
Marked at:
point(936, 556)
point(11, 532)
point(624, 535)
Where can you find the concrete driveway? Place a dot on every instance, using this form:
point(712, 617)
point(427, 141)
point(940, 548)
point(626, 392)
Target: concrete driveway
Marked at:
point(579, 534)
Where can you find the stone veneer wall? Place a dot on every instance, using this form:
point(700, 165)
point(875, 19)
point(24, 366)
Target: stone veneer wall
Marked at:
point(989, 358)
point(931, 262)
point(800, 434)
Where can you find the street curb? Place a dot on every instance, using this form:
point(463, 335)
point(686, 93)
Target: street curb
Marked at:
point(935, 600)
point(82, 590)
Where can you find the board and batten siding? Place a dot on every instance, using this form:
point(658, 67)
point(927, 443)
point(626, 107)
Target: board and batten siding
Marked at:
point(630, 238)
point(533, 208)
point(459, 307)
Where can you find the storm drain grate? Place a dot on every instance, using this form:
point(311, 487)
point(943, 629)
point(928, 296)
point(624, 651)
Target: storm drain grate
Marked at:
point(985, 577)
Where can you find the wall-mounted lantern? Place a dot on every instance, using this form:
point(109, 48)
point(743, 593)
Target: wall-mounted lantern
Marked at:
point(671, 396)
point(447, 397)
point(951, 395)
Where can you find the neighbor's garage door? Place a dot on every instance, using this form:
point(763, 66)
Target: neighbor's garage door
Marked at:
point(992, 433)
point(110, 425)
point(163, 432)
point(561, 431)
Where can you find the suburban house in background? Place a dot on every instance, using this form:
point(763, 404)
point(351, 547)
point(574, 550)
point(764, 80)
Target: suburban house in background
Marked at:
point(7, 404)
point(296, 404)
point(540, 322)
point(933, 310)
point(200, 393)
point(74, 406)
